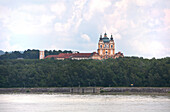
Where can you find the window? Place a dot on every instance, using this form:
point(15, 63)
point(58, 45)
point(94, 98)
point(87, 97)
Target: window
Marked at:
point(106, 52)
point(105, 45)
point(111, 46)
point(100, 46)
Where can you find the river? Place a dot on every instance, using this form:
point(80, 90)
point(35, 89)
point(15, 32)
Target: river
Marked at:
point(83, 103)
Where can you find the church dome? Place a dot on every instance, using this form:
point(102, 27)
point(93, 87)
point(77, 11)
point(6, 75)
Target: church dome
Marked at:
point(105, 39)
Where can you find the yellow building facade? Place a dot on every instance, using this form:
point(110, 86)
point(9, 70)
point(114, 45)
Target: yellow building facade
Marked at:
point(106, 47)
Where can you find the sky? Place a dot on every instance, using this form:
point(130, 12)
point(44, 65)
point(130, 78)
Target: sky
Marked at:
point(139, 27)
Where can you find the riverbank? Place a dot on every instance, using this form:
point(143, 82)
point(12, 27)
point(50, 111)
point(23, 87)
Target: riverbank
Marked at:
point(90, 90)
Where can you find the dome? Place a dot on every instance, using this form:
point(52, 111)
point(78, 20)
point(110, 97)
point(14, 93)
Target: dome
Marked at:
point(105, 39)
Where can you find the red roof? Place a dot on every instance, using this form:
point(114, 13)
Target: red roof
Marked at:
point(82, 55)
point(51, 56)
point(70, 55)
point(64, 55)
point(61, 55)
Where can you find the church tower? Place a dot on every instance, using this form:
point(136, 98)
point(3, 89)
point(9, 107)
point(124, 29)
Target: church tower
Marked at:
point(106, 47)
point(41, 55)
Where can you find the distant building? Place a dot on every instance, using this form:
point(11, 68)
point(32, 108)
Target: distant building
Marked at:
point(41, 55)
point(106, 49)
point(76, 56)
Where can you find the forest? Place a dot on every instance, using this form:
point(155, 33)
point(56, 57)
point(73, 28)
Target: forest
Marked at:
point(29, 54)
point(120, 72)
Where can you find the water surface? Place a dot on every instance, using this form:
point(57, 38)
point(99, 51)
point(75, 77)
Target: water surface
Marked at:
point(83, 103)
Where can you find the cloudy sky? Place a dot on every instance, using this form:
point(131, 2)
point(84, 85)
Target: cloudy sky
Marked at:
point(139, 27)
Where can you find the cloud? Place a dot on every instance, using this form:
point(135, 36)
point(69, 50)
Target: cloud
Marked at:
point(30, 19)
point(149, 48)
point(85, 37)
point(33, 8)
point(74, 21)
point(117, 36)
point(6, 45)
point(167, 17)
point(145, 2)
point(140, 27)
point(58, 8)
point(111, 30)
point(59, 27)
point(96, 6)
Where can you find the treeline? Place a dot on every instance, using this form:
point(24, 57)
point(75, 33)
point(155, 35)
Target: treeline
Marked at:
point(74, 73)
point(29, 54)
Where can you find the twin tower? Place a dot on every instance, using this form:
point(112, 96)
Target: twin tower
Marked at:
point(106, 47)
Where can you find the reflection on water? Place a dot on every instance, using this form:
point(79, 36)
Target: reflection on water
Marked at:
point(83, 103)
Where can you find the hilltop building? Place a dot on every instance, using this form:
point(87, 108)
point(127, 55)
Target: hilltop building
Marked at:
point(106, 49)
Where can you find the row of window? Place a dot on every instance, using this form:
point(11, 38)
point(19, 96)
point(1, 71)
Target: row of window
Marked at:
point(101, 52)
point(106, 46)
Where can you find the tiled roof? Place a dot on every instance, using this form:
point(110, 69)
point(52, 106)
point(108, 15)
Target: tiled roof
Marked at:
point(64, 55)
point(71, 55)
point(82, 55)
point(51, 56)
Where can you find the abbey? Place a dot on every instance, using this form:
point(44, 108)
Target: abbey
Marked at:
point(106, 49)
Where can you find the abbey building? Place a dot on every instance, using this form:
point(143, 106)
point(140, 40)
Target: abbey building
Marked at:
point(106, 49)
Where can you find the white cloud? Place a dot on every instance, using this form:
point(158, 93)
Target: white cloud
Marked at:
point(96, 6)
point(59, 27)
point(85, 37)
point(99, 5)
point(149, 49)
point(32, 8)
point(122, 4)
point(27, 19)
point(46, 19)
point(117, 36)
point(144, 2)
point(5, 43)
point(167, 17)
point(72, 23)
point(111, 30)
point(58, 8)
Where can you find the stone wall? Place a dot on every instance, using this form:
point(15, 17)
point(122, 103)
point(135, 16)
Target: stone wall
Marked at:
point(137, 89)
point(87, 90)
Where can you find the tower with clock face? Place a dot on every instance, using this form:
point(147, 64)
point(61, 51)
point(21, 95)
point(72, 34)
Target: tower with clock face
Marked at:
point(106, 47)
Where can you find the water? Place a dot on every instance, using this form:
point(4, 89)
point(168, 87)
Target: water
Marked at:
point(83, 103)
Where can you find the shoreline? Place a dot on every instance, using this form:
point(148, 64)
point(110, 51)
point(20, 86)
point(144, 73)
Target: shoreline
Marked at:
point(91, 90)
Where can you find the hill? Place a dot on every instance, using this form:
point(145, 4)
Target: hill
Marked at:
point(1, 52)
